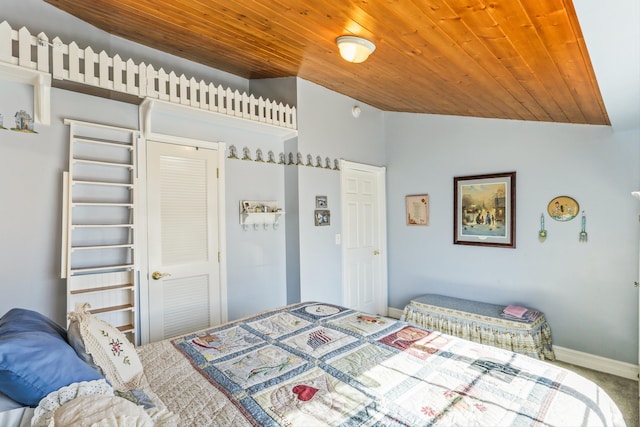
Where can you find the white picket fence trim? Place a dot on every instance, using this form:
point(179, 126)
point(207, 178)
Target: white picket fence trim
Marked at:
point(70, 62)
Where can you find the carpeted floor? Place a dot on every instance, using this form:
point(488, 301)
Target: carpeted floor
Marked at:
point(622, 390)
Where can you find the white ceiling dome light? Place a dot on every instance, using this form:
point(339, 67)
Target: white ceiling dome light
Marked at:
point(355, 49)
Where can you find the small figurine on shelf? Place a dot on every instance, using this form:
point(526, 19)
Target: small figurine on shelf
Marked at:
point(259, 155)
point(327, 163)
point(246, 154)
point(318, 161)
point(24, 122)
point(233, 152)
point(270, 157)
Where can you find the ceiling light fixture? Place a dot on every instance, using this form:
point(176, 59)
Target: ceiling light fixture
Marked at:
point(355, 49)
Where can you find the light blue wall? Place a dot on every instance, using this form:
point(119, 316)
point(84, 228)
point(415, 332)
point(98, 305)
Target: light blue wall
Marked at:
point(31, 168)
point(585, 289)
point(31, 194)
point(327, 128)
point(30, 248)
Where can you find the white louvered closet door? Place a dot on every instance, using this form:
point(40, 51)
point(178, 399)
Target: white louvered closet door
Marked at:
point(183, 263)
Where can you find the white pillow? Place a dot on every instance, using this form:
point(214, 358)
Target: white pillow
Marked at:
point(101, 411)
point(44, 412)
point(103, 345)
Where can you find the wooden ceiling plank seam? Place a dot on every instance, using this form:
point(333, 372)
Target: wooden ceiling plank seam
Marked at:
point(533, 86)
point(577, 70)
point(551, 108)
point(232, 31)
point(588, 66)
point(451, 26)
point(459, 33)
point(138, 35)
point(179, 34)
point(539, 13)
point(561, 90)
point(437, 67)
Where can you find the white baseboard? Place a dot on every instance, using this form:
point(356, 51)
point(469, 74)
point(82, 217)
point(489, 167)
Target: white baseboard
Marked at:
point(394, 313)
point(578, 358)
point(597, 363)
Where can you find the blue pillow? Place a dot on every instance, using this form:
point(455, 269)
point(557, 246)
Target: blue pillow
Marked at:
point(22, 320)
point(35, 358)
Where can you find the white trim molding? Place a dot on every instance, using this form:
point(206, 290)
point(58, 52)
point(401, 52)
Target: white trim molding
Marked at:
point(597, 363)
point(394, 313)
point(35, 54)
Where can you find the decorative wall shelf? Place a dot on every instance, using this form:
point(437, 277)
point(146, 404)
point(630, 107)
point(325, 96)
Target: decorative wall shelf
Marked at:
point(41, 83)
point(260, 212)
point(149, 106)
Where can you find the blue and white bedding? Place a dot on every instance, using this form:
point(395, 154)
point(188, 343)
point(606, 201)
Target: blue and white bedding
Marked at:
point(321, 364)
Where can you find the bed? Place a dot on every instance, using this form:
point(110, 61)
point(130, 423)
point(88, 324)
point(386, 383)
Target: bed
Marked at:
point(322, 364)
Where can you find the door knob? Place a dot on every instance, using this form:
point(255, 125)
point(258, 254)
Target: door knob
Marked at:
point(156, 275)
point(376, 252)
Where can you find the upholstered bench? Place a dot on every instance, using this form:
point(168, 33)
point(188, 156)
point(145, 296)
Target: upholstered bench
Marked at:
point(481, 322)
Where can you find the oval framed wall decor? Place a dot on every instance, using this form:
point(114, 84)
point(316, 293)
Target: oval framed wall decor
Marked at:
point(563, 208)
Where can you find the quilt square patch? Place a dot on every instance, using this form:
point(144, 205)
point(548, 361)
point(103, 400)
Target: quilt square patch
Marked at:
point(313, 398)
point(373, 367)
point(319, 341)
point(316, 312)
point(259, 366)
point(279, 324)
point(214, 344)
point(415, 341)
point(363, 324)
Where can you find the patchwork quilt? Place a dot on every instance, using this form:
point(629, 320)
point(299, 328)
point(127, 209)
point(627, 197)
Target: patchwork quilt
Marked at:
point(315, 364)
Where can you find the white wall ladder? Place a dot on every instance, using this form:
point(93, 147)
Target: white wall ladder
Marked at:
point(98, 237)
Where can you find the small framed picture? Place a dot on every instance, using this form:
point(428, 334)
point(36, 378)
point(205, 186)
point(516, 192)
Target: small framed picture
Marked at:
point(321, 202)
point(322, 217)
point(417, 209)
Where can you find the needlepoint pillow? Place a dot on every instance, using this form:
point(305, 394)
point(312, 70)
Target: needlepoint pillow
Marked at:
point(35, 358)
point(105, 347)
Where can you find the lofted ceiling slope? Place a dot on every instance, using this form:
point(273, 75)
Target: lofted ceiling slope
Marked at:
point(510, 59)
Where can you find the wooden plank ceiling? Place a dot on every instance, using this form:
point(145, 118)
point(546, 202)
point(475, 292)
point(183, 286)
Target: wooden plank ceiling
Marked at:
point(510, 59)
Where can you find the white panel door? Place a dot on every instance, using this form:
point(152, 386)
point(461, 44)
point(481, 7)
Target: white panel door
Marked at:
point(363, 228)
point(183, 267)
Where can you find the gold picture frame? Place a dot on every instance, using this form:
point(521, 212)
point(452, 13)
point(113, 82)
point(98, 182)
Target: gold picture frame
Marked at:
point(417, 209)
